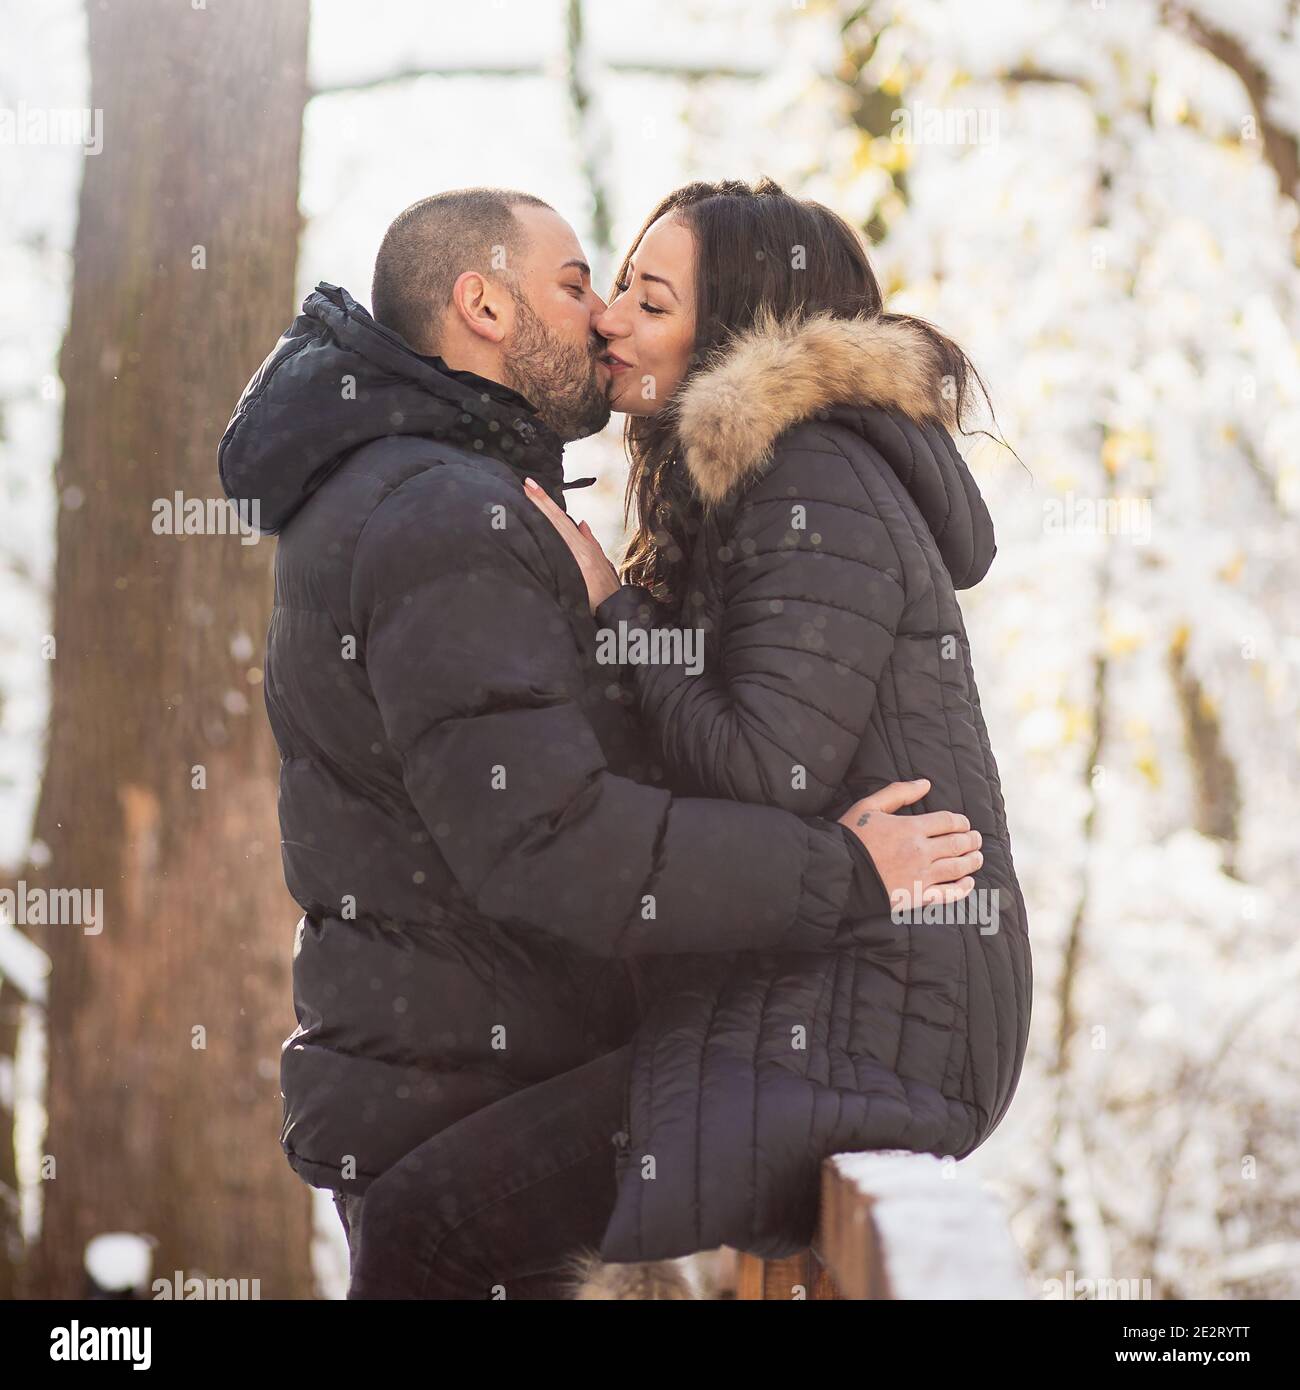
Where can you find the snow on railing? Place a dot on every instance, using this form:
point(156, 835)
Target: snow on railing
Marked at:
point(897, 1225)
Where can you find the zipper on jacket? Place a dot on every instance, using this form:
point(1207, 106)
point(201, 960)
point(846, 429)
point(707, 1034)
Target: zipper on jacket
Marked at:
point(623, 1139)
point(635, 977)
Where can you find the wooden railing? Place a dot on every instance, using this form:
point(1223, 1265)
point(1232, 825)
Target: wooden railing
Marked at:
point(896, 1225)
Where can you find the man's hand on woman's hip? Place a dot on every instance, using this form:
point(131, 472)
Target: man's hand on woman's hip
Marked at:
point(939, 851)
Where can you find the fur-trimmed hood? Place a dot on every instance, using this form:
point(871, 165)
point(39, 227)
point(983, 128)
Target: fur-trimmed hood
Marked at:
point(851, 372)
point(777, 374)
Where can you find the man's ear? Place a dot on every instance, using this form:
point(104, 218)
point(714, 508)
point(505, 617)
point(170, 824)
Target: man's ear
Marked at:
point(481, 306)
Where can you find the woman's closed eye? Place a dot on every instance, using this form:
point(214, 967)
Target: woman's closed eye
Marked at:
point(644, 303)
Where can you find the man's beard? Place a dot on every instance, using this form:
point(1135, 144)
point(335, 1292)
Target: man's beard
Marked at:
point(558, 379)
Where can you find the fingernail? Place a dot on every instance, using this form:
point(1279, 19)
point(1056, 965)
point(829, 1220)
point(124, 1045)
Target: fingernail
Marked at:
point(532, 486)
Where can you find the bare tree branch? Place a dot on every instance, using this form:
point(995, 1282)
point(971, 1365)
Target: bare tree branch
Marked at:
point(1217, 803)
point(1281, 147)
point(1281, 983)
point(592, 146)
point(1028, 73)
point(678, 68)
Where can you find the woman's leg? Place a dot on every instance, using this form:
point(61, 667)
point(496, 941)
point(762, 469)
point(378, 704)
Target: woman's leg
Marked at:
point(495, 1205)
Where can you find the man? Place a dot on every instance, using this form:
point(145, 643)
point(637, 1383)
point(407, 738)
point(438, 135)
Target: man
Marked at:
point(469, 821)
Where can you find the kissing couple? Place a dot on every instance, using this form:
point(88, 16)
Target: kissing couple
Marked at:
point(600, 958)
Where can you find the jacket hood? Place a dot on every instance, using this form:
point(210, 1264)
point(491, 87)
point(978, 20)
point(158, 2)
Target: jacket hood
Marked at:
point(336, 380)
point(862, 373)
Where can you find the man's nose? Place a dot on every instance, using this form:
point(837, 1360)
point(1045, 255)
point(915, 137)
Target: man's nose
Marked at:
point(598, 305)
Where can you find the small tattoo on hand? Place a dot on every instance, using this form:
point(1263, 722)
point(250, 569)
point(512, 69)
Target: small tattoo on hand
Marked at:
point(864, 818)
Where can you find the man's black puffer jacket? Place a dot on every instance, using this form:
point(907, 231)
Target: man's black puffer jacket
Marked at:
point(475, 866)
point(840, 519)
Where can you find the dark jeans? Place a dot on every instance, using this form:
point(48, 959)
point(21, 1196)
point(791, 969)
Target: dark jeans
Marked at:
point(492, 1206)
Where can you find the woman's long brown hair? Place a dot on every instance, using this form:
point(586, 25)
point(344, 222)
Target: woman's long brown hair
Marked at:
point(744, 242)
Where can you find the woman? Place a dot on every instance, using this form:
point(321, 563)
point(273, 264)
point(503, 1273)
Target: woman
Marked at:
point(799, 500)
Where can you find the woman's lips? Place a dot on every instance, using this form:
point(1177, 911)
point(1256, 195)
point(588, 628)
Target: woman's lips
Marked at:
point(616, 364)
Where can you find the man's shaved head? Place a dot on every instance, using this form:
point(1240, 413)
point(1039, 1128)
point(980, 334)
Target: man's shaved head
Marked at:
point(496, 283)
point(430, 245)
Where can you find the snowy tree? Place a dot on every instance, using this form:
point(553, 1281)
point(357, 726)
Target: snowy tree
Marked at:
point(1098, 200)
point(175, 1004)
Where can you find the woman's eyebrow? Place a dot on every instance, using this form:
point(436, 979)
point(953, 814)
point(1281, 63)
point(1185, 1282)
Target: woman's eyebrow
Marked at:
point(659, 279)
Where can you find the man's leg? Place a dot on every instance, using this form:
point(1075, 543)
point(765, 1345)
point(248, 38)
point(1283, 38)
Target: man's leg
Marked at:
point(496, 1205)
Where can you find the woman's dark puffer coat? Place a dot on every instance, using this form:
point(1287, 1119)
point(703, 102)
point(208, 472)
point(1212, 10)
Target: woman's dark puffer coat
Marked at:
point(476, 868)
point(840, 520)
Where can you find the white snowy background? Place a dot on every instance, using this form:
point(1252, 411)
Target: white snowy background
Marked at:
point(1116, 257)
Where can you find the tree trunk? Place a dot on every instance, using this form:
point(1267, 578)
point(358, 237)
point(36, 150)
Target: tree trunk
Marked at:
point(10, 1226)
point(165, 1023)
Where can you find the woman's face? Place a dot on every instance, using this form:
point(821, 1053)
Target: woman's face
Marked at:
point(650, 323)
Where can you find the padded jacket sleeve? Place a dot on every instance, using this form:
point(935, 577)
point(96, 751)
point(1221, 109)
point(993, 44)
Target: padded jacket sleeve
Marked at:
point(477, 675)
point(812, 594)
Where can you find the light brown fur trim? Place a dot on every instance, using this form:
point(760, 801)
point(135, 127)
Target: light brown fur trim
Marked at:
point(776, 374)
point(589, 1278)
